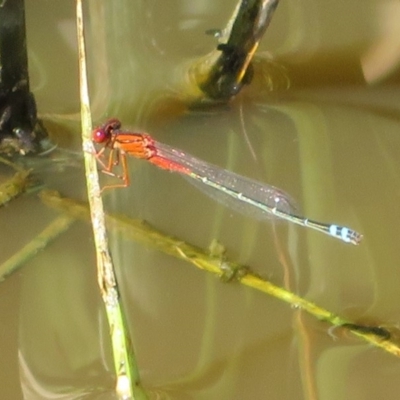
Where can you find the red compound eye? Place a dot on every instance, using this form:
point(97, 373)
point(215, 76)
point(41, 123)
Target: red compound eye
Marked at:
point(100, 135)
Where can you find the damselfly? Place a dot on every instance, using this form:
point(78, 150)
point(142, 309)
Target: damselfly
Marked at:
point(262, 200)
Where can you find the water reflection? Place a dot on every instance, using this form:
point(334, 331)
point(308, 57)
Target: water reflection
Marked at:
point(335, 150)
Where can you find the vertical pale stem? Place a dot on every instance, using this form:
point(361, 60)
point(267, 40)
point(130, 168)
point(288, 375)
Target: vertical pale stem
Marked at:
point(128, 381)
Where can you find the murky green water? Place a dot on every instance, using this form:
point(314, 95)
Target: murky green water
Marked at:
point(331, 140)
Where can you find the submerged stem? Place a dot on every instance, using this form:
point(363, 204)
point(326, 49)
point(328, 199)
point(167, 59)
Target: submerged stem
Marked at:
point(13, 187)
point(144, 233)
point(51, 232)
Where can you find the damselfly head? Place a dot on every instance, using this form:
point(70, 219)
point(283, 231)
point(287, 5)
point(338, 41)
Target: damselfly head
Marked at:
point(103, 133)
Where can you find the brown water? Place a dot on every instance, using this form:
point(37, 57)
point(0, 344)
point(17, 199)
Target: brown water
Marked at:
point(331, 140)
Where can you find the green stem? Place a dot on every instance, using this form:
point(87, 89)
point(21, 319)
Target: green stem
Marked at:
point(144, 233)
